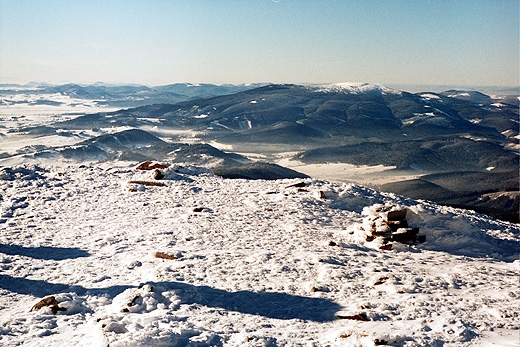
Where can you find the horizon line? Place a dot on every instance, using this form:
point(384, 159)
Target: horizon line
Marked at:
point(400, 86)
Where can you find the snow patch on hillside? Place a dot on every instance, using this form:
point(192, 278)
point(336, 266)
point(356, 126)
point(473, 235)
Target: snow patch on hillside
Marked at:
point(429, 96)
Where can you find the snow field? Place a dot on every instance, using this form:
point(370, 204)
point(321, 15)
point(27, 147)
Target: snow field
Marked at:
point(253, 264)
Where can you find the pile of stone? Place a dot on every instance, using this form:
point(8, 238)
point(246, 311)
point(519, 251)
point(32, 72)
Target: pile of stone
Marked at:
point(391, 225)
point(154, 168)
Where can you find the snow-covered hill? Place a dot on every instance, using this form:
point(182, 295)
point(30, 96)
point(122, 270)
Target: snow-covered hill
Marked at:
point(198, 260)
point(102, 97)
point(354, 88)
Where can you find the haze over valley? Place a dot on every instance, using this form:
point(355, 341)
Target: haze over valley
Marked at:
point(455, 147)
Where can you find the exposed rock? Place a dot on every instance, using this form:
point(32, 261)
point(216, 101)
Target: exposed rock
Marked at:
point(320, 289)
point(149, 165)
point(157, 175)
point(381, 281)
point(147, 183)
point(134, 300)
point(360, 316)
point(405, 235)
point(49, 301)
point(394, 225)
point(390, 224)
point(396, 215)
point(162, 255)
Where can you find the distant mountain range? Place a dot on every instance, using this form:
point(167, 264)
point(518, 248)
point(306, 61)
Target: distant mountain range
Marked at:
point(452, 136)
point(360, 124)
point(127, 95)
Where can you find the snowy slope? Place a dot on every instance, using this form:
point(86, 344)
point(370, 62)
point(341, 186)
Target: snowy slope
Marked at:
point(353, 88)
point(253, 263)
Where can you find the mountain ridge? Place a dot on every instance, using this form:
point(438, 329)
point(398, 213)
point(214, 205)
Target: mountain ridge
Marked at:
point(355, 123)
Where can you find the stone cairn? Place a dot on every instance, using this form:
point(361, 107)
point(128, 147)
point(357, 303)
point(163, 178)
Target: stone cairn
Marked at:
point(391, 225)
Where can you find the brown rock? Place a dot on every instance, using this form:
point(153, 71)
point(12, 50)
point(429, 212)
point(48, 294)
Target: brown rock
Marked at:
point(134, 300)
point(49, 301)
point(380, 281)
point(162, 255)
point(408, 234)
point(360, 316)
point(148, 165)
point(397, 224)
point(157, 175)
point(396, 215)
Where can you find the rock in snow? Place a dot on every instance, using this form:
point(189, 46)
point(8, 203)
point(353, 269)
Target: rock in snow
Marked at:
point(256, 268)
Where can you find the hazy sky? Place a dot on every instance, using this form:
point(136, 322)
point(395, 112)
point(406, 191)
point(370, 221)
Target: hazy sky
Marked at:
point(429, 42)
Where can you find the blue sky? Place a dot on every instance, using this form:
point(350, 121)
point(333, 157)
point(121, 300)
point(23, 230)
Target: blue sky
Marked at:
point(427, 42)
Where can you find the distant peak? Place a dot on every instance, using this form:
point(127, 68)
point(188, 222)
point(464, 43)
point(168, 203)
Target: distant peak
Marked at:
point(353, 88)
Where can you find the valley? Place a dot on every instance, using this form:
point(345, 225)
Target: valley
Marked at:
point(349, 132)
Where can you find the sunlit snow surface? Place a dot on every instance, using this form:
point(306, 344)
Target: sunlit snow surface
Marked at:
point(254, 267)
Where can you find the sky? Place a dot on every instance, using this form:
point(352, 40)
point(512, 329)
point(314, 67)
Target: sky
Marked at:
point(158, 42)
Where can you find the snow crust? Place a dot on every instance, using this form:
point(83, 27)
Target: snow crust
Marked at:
point(253, 263)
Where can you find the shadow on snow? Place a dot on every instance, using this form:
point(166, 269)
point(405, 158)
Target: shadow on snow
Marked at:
point(44, 252)
point(266, 304)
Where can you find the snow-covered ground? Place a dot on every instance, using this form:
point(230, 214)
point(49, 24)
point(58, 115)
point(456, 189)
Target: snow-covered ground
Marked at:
point(252, 263)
